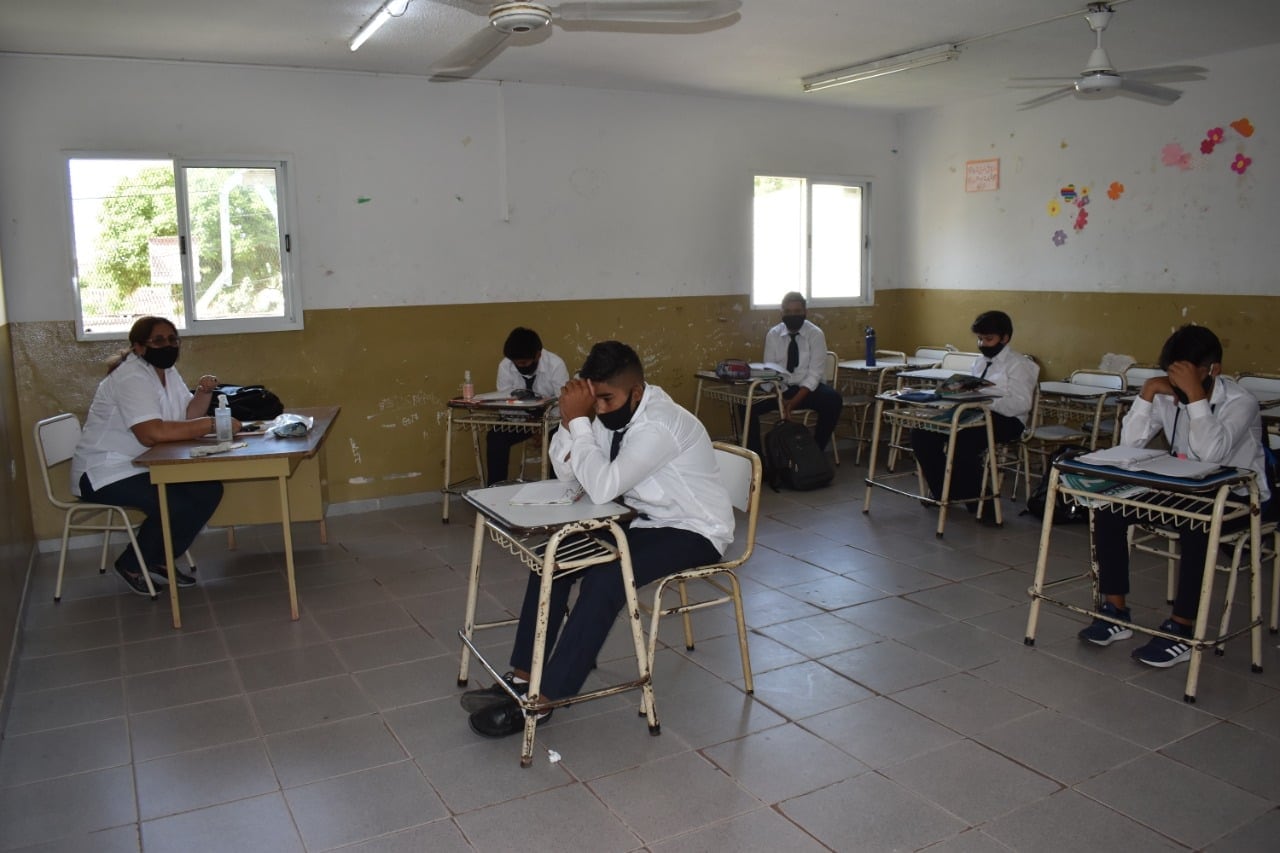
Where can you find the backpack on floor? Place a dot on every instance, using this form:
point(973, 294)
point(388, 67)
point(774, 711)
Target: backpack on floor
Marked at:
point(792, 459)
point(1064, 512)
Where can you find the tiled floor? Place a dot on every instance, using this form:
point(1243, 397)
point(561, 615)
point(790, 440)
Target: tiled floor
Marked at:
point(896, 708)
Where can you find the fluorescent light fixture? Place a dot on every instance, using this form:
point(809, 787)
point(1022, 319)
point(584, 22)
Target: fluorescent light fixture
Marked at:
point(388, 10)
point(879, 68)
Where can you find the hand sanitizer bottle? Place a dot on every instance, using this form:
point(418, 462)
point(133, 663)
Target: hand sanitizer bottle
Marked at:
point(222, 419)
point(468, 390)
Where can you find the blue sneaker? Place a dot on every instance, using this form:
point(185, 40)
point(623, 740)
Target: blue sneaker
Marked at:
point(1164, 653)
point(1103, 633)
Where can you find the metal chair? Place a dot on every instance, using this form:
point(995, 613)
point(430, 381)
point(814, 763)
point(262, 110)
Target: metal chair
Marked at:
point(858, 397)
point(960, 362)
point(740, 472)
point(56, 439)
point(1264, 386)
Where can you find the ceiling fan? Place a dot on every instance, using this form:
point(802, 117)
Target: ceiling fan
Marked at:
point(1100, 79)
point(507, 18)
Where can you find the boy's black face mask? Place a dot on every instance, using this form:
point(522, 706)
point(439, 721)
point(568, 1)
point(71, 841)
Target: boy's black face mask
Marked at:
point(1207, 385)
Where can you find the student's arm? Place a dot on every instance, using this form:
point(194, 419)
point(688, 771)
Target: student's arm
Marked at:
point(509, 378)
point(1214, 432)
point(141, 412)
point(199, 402)
point(1019, 389)
point(559, 375)
point(647, 448)
point(1141, 423)
point(810, 373)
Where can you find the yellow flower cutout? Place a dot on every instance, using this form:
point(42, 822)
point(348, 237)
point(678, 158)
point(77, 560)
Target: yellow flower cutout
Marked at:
point(1054, 208)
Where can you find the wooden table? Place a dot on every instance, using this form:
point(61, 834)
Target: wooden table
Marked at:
point(264, 458)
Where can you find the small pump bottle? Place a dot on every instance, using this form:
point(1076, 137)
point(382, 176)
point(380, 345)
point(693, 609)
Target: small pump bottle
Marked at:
point(468, 390)
point(222, 419)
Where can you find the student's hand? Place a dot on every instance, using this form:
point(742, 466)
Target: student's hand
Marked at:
point(1186, 376)
point(207, 384)
point(1156, 385)
point(787, 406)
point(577, 400)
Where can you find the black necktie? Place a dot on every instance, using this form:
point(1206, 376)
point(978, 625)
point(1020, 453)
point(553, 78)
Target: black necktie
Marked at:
point(984, 371)
point(793, 353)
point(528, 381)
point(616, 445)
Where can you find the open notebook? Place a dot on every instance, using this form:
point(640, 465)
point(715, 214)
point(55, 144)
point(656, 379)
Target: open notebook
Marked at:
point(1150, 461)
point(547, 493)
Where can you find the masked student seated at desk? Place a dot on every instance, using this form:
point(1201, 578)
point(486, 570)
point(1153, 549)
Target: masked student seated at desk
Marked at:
point(644, 450)
point(801, 348)
point(143, 402)
point(1013, 377)
point(1205, 417)
point(525, 367)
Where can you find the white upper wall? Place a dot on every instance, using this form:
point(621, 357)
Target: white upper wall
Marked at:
point(605, 193)
point(1197, 230)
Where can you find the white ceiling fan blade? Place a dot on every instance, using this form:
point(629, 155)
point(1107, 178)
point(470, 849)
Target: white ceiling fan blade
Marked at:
point(1167, 74)
point(646, 11)
point(1044, 99)
point(1040, 82)
point(1157, 94)
point(472, 54)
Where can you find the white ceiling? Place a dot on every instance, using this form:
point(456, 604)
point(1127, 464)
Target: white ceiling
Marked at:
point(762, 51)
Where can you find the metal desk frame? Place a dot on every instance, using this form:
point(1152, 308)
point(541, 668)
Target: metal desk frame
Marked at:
point(477, 416)
point(731, 391)
point(1206, 504)
point(552, 541)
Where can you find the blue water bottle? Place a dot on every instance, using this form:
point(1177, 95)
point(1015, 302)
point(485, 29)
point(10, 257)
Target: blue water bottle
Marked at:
point(871, 347)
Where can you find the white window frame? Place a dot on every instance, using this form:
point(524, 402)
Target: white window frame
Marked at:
point(292, 317)
point(866, 297)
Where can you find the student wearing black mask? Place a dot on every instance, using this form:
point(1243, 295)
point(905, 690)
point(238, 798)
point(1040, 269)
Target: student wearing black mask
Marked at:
point(800, 348)
point(143, 402)
point(641, 448)
point(1205, 417)
point(1013, 377)
point(526, 368)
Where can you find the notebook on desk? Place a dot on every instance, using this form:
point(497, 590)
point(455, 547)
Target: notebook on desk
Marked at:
point(1150, 461)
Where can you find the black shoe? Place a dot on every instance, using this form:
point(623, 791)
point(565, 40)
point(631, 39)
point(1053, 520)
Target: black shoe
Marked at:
point(135, 581)
point(486, 697)
point(160, 575)
point(501, 720)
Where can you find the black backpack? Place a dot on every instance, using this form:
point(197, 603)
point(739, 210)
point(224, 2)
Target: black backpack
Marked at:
point(792, 459)
point(1063, 511)
point(248, 402)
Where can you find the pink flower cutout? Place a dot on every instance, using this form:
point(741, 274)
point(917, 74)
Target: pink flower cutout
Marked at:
point(1240, 164)
point(1174, 155)
point(1059, 237)
point(1082, 200)
point(1082, 219)
point(1206, 146)
point(1213, 136)
point(1115, 190)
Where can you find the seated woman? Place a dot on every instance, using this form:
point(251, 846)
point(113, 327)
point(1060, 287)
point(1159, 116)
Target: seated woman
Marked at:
point(142, 402)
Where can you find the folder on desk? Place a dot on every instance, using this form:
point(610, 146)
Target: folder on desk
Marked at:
point(767, 370)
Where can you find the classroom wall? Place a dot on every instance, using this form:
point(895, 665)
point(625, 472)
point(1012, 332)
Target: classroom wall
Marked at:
point(1184, 239)
point(17, 541)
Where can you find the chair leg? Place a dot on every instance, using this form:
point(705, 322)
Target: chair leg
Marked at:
point(62, 556)
point(740, 618)
point(1229, 599)
point(102, 556)
point(685, 618)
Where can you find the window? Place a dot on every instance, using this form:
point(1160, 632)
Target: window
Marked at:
point(810, 235)
point(205, 244)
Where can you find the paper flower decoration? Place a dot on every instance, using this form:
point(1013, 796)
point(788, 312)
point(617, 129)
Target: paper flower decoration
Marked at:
point(1173, 155)
point(1068, 192)
point(1240, 164)
point(1115, 190)
point(1082, 219)
point(1053, 207)
point(1243, 126)
point(1206, 146)
point(1059, 237)
point(1213, 135)
point(1083, 199)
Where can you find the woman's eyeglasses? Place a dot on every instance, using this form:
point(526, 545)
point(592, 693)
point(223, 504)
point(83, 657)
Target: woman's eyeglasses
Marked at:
point(159, 341)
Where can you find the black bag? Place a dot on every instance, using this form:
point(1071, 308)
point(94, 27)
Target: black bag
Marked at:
point(792, 459)
point(1063, 512)
point(248, 402)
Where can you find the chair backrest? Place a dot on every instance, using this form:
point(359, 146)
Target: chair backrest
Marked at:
point(829, 368)
point(934, 353)
point(1264, 386)
point(741, 472)
point(56, 440)
point(1097, 379)
point(1136, 375)
point(961, 362)
point(892, 356)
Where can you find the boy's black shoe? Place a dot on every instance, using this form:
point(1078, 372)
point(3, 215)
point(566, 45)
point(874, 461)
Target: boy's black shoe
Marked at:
point(486, 697)
point(160, 577)
point(501, 720)
point(135, 581)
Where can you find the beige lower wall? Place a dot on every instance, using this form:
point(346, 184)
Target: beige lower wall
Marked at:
point(16, 535)
point(392, 369)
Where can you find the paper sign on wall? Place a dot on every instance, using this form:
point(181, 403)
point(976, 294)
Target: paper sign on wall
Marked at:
point(982, 176)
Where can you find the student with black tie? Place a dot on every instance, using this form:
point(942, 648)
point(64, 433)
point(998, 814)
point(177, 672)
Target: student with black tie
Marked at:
point(1013, 377)
point(641, 448)
point(525, 368)
point(801, 348)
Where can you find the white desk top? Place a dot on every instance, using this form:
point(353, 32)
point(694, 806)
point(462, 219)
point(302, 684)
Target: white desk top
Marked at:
point(932, 373)
point(495, 502)
point(882, 363)
point(1073, 389)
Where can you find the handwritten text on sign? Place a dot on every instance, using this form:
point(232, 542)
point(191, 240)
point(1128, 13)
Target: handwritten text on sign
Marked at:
point(982, 176)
